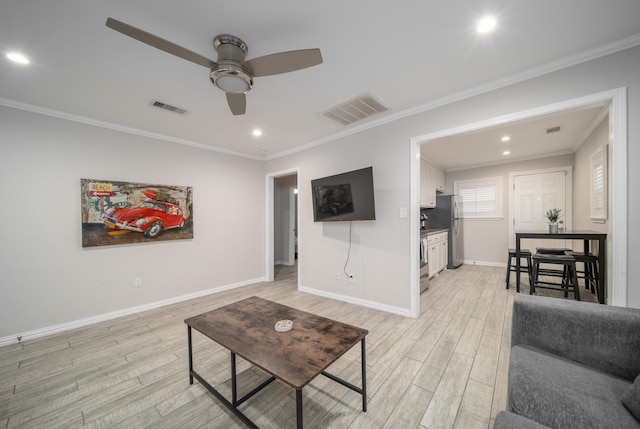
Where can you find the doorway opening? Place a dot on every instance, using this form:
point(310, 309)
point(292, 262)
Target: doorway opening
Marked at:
point(617, 234)
point(282, 226)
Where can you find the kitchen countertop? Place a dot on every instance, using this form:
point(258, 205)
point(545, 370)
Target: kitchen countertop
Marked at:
point(428, 232)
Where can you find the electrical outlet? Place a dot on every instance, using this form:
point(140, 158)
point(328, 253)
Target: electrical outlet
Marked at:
point(336, 275)
point(352, 277)
point(137, 282)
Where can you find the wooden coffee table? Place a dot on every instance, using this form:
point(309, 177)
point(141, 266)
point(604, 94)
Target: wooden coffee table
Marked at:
point(295, 357)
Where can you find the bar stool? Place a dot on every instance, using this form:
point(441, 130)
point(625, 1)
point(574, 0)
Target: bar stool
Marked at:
point(569, 275)
point(552, 251)
point(511, 263)
point(590, 271)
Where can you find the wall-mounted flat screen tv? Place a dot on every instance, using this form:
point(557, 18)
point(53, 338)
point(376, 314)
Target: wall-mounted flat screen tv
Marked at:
point(344, 197)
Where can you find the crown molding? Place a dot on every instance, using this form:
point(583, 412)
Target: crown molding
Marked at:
point(551, 67)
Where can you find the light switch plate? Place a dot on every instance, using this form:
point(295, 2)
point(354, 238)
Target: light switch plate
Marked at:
point(403, 212)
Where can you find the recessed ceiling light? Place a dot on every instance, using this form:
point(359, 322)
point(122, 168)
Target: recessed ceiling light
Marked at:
point(17, 57)
point(257, 132)
point(505, 138)
point(506, 152)
point(486, 25)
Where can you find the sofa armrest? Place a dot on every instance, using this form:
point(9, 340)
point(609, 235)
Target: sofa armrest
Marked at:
point(603, 337)
point(509, 420)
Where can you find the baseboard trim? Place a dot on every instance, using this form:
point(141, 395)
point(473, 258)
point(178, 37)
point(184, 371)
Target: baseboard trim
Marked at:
point(488, 264)
point(357, 301)
point(49, 330)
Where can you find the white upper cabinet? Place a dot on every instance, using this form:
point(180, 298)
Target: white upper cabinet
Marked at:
point(427, 185)
point(431, 180)
point(439, 179)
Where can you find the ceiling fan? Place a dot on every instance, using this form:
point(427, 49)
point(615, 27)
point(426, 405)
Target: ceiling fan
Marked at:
point(231, 73)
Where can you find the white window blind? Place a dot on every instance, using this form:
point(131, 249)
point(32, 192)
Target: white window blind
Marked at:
point(599, 185)
point(480, 198)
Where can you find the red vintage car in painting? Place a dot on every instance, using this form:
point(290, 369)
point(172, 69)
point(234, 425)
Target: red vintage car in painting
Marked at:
point(150, 218)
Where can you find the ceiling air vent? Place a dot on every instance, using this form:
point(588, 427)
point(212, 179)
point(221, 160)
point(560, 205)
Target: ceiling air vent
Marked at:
point(170, 108)
point(553, 130)
point(355, 109)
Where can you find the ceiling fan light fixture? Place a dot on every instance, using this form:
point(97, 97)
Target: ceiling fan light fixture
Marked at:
point(231, 78)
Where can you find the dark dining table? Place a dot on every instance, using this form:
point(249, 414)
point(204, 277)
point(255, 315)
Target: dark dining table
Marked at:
point(587, 236)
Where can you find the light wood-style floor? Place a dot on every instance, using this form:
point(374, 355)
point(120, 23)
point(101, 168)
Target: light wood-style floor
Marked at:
point(445, 369)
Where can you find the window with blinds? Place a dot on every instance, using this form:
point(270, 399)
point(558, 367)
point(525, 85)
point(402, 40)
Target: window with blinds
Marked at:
point(599, 185)
point(480, 198)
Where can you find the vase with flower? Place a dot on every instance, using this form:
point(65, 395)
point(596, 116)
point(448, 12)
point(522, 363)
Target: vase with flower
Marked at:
point(553, 215)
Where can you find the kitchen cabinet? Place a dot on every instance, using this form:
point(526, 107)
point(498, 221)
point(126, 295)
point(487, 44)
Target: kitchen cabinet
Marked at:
point(439, 179)
point(437, 252)
point(444, 252)
point(431, 181)
point(432, 252)
point(427, 185)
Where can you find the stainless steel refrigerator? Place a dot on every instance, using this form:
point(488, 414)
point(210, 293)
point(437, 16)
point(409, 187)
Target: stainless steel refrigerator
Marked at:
point(446, 214)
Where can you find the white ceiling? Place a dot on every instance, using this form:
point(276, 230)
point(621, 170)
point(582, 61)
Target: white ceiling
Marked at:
point(409, 53)
point(528, 139)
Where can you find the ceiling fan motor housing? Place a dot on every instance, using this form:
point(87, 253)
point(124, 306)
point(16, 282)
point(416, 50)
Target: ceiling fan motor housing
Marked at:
point(230, 74)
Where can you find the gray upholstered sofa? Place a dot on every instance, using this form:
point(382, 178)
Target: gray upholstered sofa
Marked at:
point(572, 365)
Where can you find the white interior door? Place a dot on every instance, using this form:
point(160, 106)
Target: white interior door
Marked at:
point(292, 226)
point(533, 194)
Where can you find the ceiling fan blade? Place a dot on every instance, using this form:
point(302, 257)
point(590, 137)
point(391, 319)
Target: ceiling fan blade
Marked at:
point(237, 103)
point(157, 42)
point(284, 62)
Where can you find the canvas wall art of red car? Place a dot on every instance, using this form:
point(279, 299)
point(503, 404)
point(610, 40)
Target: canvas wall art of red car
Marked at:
point(115, 212)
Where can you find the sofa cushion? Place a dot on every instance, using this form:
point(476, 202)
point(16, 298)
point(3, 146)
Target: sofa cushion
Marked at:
point(631, 398)
point(563, 394)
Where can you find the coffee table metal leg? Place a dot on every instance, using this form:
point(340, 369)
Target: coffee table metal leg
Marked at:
point(234, 391)
point(190, 355)
point(364, 376)
point(299, 423)
point(225, 402)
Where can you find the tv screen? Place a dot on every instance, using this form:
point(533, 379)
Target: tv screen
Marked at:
point(344, 197)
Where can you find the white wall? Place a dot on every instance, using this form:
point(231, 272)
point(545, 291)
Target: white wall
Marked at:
point(47, 278)
point(381, 251)
point(379, 255)
point(486, 241)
